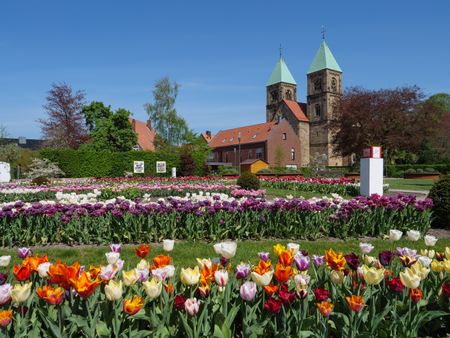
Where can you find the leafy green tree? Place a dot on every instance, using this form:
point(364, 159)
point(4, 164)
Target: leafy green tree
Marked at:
point(170, 127)
point(109, 130)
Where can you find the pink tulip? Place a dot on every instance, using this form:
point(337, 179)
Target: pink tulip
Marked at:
point(248, 291)
point(191, 305)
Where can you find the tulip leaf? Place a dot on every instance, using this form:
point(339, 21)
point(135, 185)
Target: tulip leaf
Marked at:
point(102, 330)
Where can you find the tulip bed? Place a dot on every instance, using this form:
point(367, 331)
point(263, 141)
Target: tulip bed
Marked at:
point(210, 218)
point(289, 293)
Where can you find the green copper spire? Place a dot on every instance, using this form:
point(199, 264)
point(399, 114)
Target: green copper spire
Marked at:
point(281, 73)
point(324, 59)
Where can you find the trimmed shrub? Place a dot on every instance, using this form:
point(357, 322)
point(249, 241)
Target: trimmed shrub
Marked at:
point(248, 181)
point(41, 180)
point(440, 194)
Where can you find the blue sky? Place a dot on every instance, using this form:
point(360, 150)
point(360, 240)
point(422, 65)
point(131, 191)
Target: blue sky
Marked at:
point(220, 52)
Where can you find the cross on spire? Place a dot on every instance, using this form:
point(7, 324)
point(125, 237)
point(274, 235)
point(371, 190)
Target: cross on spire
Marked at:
point(323, 32)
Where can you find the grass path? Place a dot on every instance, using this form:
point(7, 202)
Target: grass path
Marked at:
point(185, 252)
point(409, 184)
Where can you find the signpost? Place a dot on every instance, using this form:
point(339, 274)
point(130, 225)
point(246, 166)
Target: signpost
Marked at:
point(138, 167)
point(161, 167)
point(371, 172)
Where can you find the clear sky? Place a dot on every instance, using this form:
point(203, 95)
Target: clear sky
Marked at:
point(220, 52)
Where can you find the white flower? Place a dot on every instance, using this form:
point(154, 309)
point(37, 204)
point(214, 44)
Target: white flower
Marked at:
point(413, 235)
point(112, 257)
point(170, 270)
point(366, 248)
point(226, 249)
point(43, 269)
point(430, 240)
point(301, 279)
point(5, 260)
point(395, 235)
point(168, 244)
point(424, 260)
point(293, 246)
point(221, 277)
point(142, 265)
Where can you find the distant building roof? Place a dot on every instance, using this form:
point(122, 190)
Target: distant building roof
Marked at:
point(207, 136)
point(253, 160)
point(23, 142)
point(145, 134)
point(298, 109)
point(281, 73)
point(324, 59)
point(249, 134)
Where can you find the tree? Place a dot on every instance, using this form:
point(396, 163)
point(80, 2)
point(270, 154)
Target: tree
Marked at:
point(187, 164)
point(43, 168)
point(392, 118)
point(171, 127)
point(109, 131)
point(64, 126)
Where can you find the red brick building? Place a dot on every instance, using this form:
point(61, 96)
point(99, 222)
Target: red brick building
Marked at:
point(145, 135)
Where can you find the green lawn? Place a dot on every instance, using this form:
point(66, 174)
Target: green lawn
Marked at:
point(409, 184)
point(184, 253)
point(271, 192)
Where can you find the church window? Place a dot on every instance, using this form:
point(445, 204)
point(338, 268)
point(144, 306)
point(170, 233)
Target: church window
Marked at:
point(334, 85)
point(284, 136)
point(288, 94)
point(292, 154)
point(318, 85)
point(274, 95)
point(317, 109)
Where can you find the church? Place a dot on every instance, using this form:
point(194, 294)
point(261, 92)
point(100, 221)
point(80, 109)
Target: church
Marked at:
point(295, 133)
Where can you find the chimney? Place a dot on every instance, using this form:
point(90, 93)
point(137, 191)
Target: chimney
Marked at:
point(133, 124)
point(149, 124)
point(208, 133)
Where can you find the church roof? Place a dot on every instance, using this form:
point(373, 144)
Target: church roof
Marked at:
point(281, 73)
point(297, 109)
point(324, 59)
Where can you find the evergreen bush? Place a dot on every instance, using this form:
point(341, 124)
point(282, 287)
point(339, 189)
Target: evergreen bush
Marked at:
point(248, 181)
point(440, 194)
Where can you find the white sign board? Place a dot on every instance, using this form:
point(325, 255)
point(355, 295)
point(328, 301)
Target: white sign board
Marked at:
point(161, 167)
point(5, 172)
point(138, 167)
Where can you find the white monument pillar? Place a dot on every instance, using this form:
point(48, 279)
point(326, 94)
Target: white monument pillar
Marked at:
point(371, 172)
point(174, 172)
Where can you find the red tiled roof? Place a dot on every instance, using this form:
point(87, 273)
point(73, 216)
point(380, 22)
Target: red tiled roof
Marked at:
point(249, 134)
point(145, 135)
point(298, 109)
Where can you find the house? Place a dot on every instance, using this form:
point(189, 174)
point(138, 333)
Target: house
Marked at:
point(145, 135)
point(23, 142)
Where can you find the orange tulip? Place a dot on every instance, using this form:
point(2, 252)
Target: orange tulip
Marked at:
point(168, 288)
point(283, 273)
point(415, 294)
point(356, 303)
point(51, 295)
point(33, 261)
point(207, 274)
point(262, 267)
point(142, 251)
point(94, 271)
point(204, 290)
point(325, 308)
point(84, 285)
point(271, 289)
point(132, 306)
point(285, 257)
point(61, 274)
point(161, 261)
point(335, 260)
point(5, 317)
point(21, 272)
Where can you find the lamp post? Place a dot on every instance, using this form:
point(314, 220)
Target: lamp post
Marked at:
point(239, 140)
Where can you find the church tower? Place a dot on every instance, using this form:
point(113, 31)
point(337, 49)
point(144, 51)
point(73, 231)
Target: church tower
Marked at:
point(280, 86)
point(324, 91)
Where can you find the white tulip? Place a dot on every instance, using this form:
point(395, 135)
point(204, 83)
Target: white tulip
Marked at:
point(43, 269)
point(366, 248)
point(424, 260)
point(395, 235)
point(5, 260)
point(413, 235)
point(294, 247)
point(226, 249)
point(170, 270)
point(430, 240)
point(112, 257)
point(168, 244)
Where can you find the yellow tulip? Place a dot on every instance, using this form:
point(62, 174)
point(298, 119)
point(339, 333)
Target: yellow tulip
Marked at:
point(190, 276)
point(447, 252)
point(142, 265)
point(420, 270)
point(278, 249)
point(130, 277)
point(446, 264)
point(113, 290)
point(369, 260)
point(410, 279)
point(373, 275)
point(427, 253)
point(203, 262)
point(20, 293)
point(153, 288)
point(437, 266)
point(262, 280)
point(337, 277)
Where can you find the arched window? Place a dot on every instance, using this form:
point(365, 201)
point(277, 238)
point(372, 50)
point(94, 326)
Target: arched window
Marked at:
point(317, 109)
point(334, 85)
point(292, 154)
point(318, 85)
point(288, 94)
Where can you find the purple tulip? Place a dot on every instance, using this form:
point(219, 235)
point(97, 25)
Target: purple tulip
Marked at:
point(318, 260)
point(143, 274)
point(116, 247)
point(248, 291)
point(3, 278)
point(264, 256)
point(302, 262)
point(352, 260)
point(386, 257)
point(24, 252)
point(242, 271)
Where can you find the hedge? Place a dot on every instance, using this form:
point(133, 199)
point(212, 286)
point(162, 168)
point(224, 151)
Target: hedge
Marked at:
point(394, 170)
point(77, 163)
